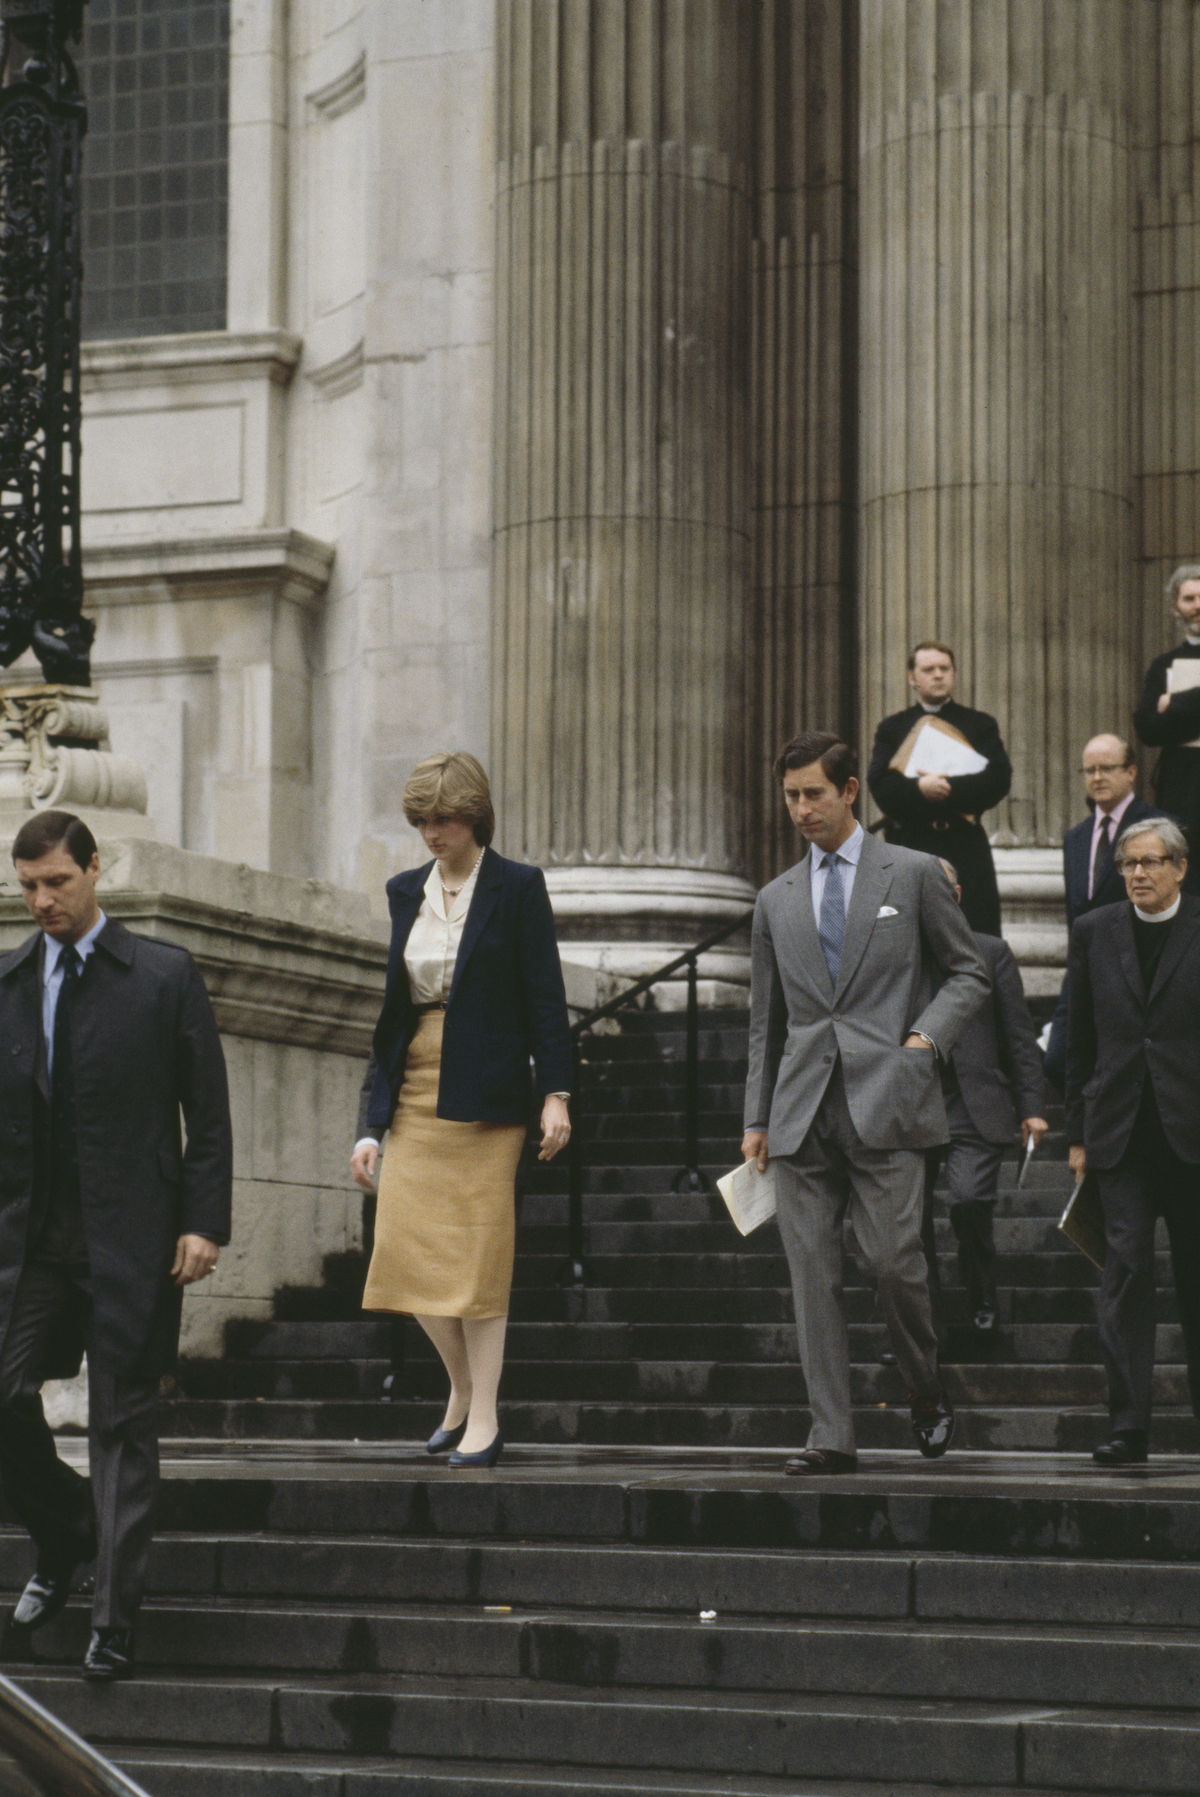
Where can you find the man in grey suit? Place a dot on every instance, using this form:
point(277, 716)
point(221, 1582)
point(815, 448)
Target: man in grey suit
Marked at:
point(993, 1077)
point(842, 1091)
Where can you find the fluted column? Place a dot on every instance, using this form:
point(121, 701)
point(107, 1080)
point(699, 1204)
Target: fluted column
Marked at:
point(995, 486)
point(621, 545)
point(1165, 62)
point(801, 674)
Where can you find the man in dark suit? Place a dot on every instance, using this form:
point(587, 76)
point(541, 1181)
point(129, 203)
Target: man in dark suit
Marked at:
point(1133, 1072)
point(990, 1078)
point(935, 814)
point(1090, 877)
point(104, 1038)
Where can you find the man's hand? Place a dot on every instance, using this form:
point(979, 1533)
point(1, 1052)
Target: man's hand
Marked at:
point(195, 1258)
point(917, 1042)
point(1035, 1127)
point(1077, 1159)
point(363, 1163)
point(1164, 701)
point(933, 786)
point(754, 1148)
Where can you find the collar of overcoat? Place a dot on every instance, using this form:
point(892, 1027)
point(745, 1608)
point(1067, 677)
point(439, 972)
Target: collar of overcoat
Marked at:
point(1182, 929)
point(871, 882)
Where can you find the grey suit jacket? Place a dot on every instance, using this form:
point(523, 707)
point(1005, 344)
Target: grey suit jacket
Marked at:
point(996, 1060)
point(799, 1023)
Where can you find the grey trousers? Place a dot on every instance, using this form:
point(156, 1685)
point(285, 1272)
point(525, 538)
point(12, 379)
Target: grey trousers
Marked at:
point(881, 1190)
point(972, 1170)
point(49, 1497)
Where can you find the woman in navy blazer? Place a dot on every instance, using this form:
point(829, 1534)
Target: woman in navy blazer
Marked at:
point(474, 995)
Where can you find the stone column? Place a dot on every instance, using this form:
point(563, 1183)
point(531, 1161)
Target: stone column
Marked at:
point(995, 487)
point(621, 531)
point(801, 674)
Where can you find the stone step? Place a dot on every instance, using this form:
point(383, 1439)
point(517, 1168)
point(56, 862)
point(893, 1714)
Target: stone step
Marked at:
point(602, 1649)
point(1043, 1197)
point(897, 1586)
point(284, 1775)
point(1009, 1427)
point(370, 1342)
point(675, 1381)
point(778, 1735)
point(1013, 1235)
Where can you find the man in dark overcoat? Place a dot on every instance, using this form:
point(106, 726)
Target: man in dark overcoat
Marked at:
point(1133, 1071)
point(938, 814)
point(104, 1038)
point(991, 1081)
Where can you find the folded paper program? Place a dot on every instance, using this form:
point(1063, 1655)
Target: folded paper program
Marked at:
point(936, 751)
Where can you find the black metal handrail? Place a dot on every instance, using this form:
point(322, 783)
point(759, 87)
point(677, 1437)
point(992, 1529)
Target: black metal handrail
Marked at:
point(690, 1174)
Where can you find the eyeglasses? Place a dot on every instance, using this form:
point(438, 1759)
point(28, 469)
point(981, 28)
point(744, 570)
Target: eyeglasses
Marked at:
point(1149, 864)
point(1104, 767)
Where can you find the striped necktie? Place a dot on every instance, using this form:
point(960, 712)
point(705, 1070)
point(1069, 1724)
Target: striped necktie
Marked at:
point(832, 927)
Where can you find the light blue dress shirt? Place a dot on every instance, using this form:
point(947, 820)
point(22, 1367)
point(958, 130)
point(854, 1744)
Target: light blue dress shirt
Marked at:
point(52, 979)
point(850, 851)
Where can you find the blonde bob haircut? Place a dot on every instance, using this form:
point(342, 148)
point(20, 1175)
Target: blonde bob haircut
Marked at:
point(451, 785)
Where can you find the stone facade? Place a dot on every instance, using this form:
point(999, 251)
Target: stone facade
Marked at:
point(611, 388)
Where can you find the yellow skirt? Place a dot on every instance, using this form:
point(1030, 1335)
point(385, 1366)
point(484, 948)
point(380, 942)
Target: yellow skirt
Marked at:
point(445, 1222)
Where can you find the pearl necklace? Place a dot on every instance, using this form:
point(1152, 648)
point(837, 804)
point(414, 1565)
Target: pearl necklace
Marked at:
point(453, 891)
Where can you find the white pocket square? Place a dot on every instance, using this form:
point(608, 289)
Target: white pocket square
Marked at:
point(887, 911)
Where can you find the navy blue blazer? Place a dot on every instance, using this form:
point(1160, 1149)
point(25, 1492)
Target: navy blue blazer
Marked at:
point(506, 1004)
point(1077, 848)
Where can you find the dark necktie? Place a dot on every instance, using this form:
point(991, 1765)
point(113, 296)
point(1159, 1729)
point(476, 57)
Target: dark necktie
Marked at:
point(1103, 855)
point(832, 927)
point(62, 1076)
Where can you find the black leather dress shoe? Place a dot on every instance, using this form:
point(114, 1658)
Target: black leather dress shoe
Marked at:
point(1129, 1448)
point(109, 1656)
point(46, 1594)
point(820, 1460)
point(933, 1425)
point(441, 1439)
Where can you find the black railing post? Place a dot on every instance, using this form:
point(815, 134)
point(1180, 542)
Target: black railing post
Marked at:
point(574, 1268)
point(690, 1173)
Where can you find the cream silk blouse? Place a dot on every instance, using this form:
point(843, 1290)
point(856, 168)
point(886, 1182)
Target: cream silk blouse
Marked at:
point(433, 941)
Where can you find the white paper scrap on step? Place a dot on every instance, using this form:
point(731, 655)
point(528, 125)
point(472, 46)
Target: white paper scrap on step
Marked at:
point(936, 753)
point(749, 1194)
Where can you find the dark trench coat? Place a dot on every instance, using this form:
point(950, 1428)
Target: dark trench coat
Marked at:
point(144, 1046)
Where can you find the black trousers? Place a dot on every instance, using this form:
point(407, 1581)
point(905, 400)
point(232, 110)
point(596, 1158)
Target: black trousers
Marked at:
point(1148, 1182)
point(49, 1497)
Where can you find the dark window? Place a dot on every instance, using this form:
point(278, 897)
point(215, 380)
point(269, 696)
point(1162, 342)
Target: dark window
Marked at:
point(155, 166)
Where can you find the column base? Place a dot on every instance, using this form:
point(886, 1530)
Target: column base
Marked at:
point(623, 922)
point(1034, 917)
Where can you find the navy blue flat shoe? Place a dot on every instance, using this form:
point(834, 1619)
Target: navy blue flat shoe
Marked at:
point(488, 1457)
point(441, 1439)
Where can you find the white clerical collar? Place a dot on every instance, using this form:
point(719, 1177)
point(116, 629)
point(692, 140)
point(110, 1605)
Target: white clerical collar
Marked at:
point(1193, 639)
point(934, 709)
point(1157, 916)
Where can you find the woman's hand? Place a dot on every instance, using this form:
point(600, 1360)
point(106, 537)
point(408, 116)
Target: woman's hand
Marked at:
point(556, 1127)
point(363, 1163)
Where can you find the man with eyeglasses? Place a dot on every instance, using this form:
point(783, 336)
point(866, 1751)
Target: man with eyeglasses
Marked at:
point(1133, 1072)
point(1090, 877)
